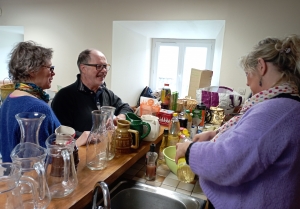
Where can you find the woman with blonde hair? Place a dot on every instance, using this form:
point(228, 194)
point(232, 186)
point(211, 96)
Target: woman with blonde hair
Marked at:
point(252, 161)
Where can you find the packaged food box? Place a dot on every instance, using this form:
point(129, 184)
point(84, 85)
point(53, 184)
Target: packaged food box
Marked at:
point(164, 116)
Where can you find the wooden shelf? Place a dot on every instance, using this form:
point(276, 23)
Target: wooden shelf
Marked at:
point(87, 178)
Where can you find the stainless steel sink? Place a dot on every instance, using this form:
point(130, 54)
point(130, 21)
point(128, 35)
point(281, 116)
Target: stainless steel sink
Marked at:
point(135, 195)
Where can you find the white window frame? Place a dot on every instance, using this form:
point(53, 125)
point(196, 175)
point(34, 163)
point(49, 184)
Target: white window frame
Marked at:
point(182, 44)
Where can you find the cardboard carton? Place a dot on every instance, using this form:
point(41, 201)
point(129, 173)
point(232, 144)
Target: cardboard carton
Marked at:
point(199, 79)
point(164, 116)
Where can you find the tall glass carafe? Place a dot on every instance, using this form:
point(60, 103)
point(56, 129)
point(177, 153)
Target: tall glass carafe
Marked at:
point(30, 123)
point(96, 146)
point(110, 128)
point(60, 168)
point(31, 157)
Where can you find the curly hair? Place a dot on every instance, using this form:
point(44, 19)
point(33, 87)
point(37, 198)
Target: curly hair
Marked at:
point(283, 53)
point(25, 58)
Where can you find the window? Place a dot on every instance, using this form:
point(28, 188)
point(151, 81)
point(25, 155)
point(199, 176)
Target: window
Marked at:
point(172, 60)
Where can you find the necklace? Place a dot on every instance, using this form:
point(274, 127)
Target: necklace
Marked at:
point(34, 90)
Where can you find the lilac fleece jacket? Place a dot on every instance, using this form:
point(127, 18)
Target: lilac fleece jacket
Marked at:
point(256, 163)
point(10, 133)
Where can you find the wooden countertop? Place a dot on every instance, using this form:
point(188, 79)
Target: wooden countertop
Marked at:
point(87, 178)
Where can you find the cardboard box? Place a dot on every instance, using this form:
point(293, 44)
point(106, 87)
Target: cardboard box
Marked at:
point(164, 116)
point(199, 79)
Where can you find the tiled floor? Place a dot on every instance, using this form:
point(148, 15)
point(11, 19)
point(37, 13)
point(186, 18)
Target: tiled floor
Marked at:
point(164, 179)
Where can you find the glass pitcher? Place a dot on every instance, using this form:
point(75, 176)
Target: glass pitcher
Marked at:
point(31, 157)
point(96, 145)
point(110, 128)
point(10, 186)
point(60, 168)
point(30, 123)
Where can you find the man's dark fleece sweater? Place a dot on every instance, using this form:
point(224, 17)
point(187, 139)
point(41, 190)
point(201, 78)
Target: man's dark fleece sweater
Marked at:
point(73, 105)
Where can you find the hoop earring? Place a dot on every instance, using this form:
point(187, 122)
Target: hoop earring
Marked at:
point(260, 82)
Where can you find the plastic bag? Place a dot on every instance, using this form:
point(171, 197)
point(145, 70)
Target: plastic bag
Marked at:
point(149, 106)
point(147, 92)
point(219, 96)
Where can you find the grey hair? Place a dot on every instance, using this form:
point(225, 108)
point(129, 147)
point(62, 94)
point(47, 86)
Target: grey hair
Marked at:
point(283, 53)
point(25, 58)
point(83, 57)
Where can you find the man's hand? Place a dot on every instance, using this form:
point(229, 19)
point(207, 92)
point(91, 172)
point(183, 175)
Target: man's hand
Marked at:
point(82, 139)
point(119, 117)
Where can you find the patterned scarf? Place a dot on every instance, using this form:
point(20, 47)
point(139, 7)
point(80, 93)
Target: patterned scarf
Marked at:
point(34, 90)
point(255, 99)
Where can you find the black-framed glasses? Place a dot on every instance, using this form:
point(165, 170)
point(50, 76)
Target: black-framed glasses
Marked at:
point(100, 67)
point(50, 67)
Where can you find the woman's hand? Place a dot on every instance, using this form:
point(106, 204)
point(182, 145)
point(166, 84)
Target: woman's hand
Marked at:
point(82, 139)
point(204, 136)
point(181, 150)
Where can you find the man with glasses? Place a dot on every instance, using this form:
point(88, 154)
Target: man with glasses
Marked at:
point(73, 104)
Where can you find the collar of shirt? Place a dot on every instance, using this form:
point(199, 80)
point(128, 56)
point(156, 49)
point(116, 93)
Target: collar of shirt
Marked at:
point(84, 88)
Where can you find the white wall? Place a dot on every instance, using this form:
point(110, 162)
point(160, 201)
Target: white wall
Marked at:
point(7, 41)
point(215, 81)
point(71, 26)
point(130, 55)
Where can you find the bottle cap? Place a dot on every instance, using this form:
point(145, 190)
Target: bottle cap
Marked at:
point(166, 131)
point(185, 131)
point(187, 111)
point(201, 106)
point(152, 147)
point(175, 114)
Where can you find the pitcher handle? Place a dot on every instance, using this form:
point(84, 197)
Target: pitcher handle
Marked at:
point(148, 129)
point(41, 175)
point(28, 181)
point(66, 157)
point(136, 138)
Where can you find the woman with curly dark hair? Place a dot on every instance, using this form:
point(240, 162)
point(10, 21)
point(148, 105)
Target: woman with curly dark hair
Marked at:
point(31, 70)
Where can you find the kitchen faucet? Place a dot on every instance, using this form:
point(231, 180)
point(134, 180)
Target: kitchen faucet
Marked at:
point(106, 195)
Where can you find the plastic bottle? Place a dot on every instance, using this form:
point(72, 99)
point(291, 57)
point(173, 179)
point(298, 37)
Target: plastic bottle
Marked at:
point(184, 138)
point(151, 158)
point(199, 117)
point(183, 120)
point(181, 138)
point(173, 102)
point(165, 97)
point(193, 131)
point(174, 130)
point(184, 172)
point(189, 119)
point(164, 142)
point(186, 133)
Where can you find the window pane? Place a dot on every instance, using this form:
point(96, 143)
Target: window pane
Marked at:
point(195, 57)
point(167, 66)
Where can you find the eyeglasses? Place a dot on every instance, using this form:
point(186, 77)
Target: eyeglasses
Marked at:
point(99, 67)
point(51, 68)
